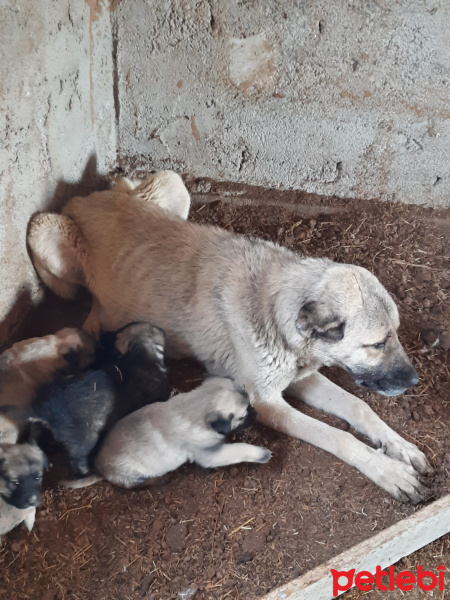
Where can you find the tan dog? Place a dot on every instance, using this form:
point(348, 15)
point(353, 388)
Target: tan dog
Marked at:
point(159, 438)
point(21, 468)
point(246, 308)
point(30, 363)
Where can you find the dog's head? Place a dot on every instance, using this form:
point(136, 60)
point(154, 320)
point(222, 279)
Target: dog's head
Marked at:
point(352, 323)
point(76, 347)
point(21, 469)
point(229, 406)
point(143, 339)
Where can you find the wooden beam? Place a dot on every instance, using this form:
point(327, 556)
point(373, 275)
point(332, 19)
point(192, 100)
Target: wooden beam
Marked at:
point(383, 549)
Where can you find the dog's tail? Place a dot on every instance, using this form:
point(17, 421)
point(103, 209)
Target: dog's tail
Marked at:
point(76, 484)
point(56, 248)
point(165, 189)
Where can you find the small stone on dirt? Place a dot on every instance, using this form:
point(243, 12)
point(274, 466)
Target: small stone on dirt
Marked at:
point(244, 557)
point(146, 582)
point(49, 595)
point(429, 336)
point(253, 542)
point(444, 339)
point(176, 537)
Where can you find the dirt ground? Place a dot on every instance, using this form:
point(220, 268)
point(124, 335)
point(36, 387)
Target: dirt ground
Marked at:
point(238, 532)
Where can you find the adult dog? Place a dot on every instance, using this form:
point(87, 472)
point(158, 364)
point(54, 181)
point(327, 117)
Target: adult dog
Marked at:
point(246, 308)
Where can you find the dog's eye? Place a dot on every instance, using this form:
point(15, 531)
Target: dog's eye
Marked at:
point(379, 346)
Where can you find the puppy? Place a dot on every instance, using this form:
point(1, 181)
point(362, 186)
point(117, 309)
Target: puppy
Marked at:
point(79, 409)
point(248, 309)
point(29, 364)
point(190, 427)
point(21, 469)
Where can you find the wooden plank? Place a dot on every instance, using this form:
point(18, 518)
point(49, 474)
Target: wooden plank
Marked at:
point(383, 549)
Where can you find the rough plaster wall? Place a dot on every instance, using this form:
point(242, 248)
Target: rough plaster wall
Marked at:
point(342, 97)
point(57, 110)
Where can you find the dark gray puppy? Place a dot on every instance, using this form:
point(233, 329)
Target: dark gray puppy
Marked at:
point(79, 409)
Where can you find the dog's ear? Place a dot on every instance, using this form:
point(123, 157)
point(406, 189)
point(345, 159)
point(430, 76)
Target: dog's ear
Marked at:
point(219, 422)
point(45, 461)
point(31, 433)
point(312, 323)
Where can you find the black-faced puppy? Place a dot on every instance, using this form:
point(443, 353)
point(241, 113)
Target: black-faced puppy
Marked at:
point(79, 409)
point(190, 427)
point(21, 469)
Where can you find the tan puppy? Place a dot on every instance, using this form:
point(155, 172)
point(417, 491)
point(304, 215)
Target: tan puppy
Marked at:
point(21, 468)
point(190, 427)
point(248, 309)
point(30, 363)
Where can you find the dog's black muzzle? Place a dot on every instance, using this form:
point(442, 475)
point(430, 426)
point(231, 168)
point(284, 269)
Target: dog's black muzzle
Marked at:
point(25, 493)
point(250, 418)
point(388, 383)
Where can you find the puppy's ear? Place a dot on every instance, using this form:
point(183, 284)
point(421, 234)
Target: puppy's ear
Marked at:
point(219, 422)
point(106, 342)
point(30, 435)
point(313, 322)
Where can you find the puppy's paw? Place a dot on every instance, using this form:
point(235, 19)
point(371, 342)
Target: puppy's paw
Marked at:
point(399, 479)
point(396, 447)
point(263, 455)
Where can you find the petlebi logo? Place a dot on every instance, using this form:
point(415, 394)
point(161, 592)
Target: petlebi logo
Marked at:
point(388, 580)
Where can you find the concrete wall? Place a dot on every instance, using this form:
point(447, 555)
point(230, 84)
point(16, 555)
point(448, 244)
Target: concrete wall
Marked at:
point(333, 97)
point(56, 90)
point(346, 97)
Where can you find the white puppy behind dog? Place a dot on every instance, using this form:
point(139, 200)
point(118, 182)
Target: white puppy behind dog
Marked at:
point(190, 427)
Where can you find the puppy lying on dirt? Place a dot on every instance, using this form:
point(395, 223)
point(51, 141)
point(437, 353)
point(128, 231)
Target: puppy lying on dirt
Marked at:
point(21, 468)
point(79, 409)
point(188, 428)
point(249, 309)
point(29, 364)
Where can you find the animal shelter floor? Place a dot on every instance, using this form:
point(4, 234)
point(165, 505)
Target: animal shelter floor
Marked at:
point(238, 532)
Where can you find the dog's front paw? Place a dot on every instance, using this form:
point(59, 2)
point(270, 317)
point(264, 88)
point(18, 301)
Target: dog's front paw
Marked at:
point(396, 477)
point(263, 455)
point(396, 447)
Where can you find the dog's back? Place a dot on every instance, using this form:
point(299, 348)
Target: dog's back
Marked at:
point(188, 279)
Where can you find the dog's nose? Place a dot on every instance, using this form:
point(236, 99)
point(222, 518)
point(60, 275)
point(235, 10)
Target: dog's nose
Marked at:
point(35, 500)
point(410, 376)
point(414, 377)
point(251, 413)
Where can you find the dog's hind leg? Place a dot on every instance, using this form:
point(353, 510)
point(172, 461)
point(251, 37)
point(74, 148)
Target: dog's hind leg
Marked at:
point(318, 391)
point(232, 454)
point(167, 190)
point(394, 476)
point(56, 246)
